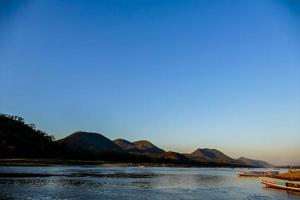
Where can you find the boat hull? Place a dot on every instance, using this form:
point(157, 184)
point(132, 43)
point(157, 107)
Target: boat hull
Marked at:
point(257, 174)
point(274, 184)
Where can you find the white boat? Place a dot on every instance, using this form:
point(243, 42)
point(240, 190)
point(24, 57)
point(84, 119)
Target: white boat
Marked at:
point(258, 173)
point(281, 184)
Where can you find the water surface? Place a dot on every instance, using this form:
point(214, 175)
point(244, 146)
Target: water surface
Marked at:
point(90, 182)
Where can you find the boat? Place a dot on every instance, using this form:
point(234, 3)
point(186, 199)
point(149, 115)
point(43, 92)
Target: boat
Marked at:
point(259, 173)
point(281, 184)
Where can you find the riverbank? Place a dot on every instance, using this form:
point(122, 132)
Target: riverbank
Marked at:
point(62, 162)
point(46, 162)
point(66, 162)
point(293, 176)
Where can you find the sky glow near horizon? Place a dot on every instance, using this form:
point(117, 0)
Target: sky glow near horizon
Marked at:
point(182, 74)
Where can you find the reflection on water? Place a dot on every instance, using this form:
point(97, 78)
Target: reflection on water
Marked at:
point(131, 183)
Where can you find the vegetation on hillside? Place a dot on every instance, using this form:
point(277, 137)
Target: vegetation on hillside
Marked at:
point(18, 139)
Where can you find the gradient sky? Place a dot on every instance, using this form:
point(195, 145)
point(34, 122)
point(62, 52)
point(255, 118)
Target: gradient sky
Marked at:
point(182, 74)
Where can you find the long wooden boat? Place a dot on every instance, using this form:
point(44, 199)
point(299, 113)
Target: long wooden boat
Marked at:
point(258, 173)
point(281, 184)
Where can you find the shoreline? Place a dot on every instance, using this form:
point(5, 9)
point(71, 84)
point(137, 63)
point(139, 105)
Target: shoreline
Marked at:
point(25, 162)
point(291, 176)
point(64, 162)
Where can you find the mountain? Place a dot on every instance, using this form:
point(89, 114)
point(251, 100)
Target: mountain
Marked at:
point(213, 156)
point(210, 154)
point(126, 145)
point(20, 140)
point(254, 163)
point(90, 142)
point(142, 146)
point(174, 156)
point(145, 146)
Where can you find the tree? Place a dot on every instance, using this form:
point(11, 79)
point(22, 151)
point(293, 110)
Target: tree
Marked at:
point(32, 125)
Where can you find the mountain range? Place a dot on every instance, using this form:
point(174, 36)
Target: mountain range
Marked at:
point(20, 140)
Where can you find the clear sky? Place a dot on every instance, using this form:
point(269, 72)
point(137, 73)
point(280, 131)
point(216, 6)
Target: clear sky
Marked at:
point(182, 74)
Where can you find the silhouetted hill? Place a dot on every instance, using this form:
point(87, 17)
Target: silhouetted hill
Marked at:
point(213, 155)
point(145, 146)
point(254, 163)
point(20, 140)
point(126, 145)
point(90, 142)
point(210, 154)
point(170, 155)
point(141, 147)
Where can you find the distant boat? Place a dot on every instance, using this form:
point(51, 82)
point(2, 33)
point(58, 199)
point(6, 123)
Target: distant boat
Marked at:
point(281, 184)
point(259, 173)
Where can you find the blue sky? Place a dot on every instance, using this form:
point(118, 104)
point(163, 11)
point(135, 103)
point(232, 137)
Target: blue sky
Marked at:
point(182, 74)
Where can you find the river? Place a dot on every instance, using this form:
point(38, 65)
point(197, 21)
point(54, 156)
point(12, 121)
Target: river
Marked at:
point(162, 183)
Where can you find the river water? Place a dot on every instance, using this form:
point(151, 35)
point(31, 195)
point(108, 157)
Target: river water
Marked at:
point(90, 182)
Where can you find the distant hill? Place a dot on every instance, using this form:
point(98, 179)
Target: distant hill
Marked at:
point(142, 146)
point(90, 142)
point(174, 156)
point(20, 140)
point(145, 146)
point(211, 155)
point(214, 156)
point(254, 163)
point(148, 149)
point(126, 145)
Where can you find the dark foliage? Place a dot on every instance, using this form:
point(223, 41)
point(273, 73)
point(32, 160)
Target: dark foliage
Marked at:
point(18, 139)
